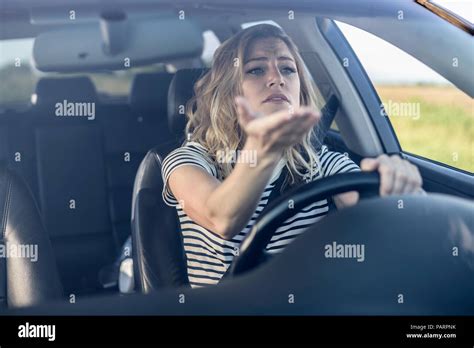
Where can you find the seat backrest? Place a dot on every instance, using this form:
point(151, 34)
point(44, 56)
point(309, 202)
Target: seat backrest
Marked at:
point(72, 180)
point(28, 270)
point(17, 146)
point(158, 253)
point(129, 132)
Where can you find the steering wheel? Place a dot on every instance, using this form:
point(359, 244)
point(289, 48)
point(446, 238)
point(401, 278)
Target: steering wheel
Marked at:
point(252, 251)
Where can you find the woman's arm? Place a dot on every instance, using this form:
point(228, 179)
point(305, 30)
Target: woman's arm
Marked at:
point(226, 207)
point(222, 207)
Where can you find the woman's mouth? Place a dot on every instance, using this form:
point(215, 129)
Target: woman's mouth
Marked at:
point(277, 99)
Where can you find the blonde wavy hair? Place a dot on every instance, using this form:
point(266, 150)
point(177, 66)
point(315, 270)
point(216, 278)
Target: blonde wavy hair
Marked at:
point(212, 114)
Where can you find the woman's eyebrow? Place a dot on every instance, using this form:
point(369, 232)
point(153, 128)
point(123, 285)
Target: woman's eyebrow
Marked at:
point(266, 59)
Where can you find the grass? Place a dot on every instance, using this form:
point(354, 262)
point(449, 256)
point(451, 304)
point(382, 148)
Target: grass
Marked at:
point(443, 130)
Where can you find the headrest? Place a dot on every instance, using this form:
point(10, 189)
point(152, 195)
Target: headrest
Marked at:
point(50, 91)
point(180, 91)
point(149, 95)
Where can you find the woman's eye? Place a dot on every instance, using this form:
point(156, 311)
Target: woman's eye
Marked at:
point(255, 71)
point(260, 71)
point(288, 70)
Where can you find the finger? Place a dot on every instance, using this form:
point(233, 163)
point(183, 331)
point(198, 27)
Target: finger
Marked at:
point(400, 176)
point(415, 176)
point(311, 121)
point(418, 177)
point(304, 122)
point(412, 179)
point(369, 164)
point(306, 112)
point(386, 175)
point(279, 122)
point(399, 181)
point(295, 131)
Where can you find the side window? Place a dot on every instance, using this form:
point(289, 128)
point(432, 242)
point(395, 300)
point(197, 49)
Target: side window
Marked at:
point(431, 117)
point(211, 43)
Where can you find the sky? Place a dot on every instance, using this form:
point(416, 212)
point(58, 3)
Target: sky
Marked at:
point(464, 8)
point(404, 68)
point(385, 63)
point(376, 54)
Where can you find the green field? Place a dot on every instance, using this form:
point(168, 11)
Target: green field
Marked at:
point(442, 126)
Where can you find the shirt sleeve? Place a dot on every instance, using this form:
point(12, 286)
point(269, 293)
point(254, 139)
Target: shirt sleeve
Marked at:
point(185, 155)
point(333, 162)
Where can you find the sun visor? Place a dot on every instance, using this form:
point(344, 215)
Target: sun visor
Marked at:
point(115, 42)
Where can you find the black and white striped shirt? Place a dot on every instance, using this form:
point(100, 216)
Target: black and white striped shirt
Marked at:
point(208, 255)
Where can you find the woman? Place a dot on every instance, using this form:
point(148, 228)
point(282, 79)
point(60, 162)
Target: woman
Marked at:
point(252, 120)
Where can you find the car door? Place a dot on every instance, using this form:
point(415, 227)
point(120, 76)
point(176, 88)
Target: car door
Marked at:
point(443, 175)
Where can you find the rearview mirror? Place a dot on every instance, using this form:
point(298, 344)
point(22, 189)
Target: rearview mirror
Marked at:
point(116, 43)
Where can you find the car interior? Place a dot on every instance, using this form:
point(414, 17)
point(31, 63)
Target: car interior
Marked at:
point(80, 187)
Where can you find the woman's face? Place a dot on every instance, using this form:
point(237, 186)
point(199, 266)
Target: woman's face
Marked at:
point(270, 81)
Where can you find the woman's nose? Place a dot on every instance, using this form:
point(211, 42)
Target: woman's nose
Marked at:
point(275, 78)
